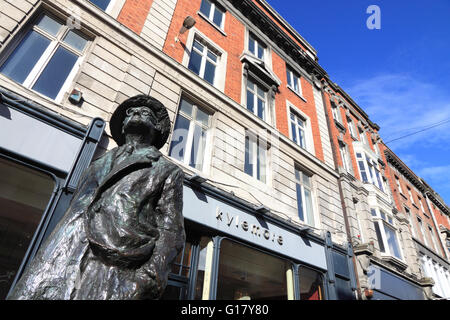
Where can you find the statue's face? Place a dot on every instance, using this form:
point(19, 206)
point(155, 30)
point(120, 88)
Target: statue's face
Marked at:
point(139, 119)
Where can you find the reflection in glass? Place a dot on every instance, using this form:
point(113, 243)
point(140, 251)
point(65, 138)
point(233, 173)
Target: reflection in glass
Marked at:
point(25, 56)
point(24, 194)
point(248, 274)
point(311, 284)
point(48, 24)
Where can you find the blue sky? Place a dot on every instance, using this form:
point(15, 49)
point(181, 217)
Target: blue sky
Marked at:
point(400, 74)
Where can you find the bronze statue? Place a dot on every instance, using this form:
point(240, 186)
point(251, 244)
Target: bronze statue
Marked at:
point(124, 226)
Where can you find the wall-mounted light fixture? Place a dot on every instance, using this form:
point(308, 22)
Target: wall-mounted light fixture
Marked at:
point(188, 23)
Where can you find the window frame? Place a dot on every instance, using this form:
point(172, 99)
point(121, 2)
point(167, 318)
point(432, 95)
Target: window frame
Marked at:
point(345, 157)
point(422, 230)
point(336, 112)
point(204, 59)
point(258, 44)
point(254, 144)
point(210, 16)
point(383, 220)
point(291, 109)
point(190, 136)
point(267, 101)
point(299, 174)
point(352, 128)
point(371, 170)
point(56, 41)
point(291, 76)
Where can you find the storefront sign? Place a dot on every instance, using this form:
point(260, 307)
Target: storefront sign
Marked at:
point(256, 230)
point(253, 228)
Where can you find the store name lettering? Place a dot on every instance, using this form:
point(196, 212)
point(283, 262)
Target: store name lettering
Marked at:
point(257, 231)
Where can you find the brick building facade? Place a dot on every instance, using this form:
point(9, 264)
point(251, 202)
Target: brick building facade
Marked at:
point(258, 127)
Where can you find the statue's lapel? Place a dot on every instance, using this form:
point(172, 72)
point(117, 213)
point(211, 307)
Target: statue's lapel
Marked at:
point(134, 162)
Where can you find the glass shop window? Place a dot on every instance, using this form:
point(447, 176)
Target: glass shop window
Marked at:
point(24, 194)
point(248, 274)
point(311, 284)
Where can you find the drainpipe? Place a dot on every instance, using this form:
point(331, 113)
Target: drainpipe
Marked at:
point(341, 193)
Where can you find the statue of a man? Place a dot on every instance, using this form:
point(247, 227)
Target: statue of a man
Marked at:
point(124, 226)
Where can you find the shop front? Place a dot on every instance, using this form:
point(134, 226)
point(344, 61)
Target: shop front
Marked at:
point(235, 251)
point(41, 156)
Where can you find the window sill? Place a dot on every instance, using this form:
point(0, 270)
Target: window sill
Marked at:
point(339, 125)
point(395, 261)
point(297, 93)
point(212, 23)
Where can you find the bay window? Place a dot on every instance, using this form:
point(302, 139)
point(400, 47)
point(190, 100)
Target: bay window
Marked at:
point(46, 58)
point(369, 170)
point(189, 138)
point(386, 233)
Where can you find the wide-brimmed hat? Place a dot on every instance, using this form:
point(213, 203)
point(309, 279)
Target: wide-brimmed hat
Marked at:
point(159, 110)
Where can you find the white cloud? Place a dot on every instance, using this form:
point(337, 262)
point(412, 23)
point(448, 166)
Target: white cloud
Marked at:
point(401, 105)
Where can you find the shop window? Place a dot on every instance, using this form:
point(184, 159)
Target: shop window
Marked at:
point(203, 61)
point(46, 58)
point(304, 197)
point(189, 138)
point(24, 195)
point(248, 274)
point(256, 99)
point(311, 284)
point(255, 163)
point(213, 13)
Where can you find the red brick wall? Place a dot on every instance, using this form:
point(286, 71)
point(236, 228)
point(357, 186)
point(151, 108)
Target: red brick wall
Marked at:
point(134, 13)
point(232, 43)
point(308, 107)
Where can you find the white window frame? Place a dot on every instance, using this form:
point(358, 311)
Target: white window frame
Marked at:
point(422, 230)
point(336, 111)
point(291, 76)
point(190, 136)
point(205, 58)
point(309, 141)
point(256, 144)
point(411, 222)
point(433, 238)
point(345, 157)
point(419, 199)
point(55, 42)
point(299, 181)
point(256, 96)
point(221, 66)
point(410, 195)
point(384, 219)
point(363, 137)
point(399, 185)
point(352, 128)
point(258, 44)
point(372, 170)
point(210, 16)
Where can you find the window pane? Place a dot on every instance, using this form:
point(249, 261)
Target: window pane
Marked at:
point(380, 239)
point(48, 24)
point(102, 4)
point(186, 108)
point(55, 73)
point(24, 194)
point(300, 202)
point(261, 109)
point(296, 84)
point(311, 284)
point(201, 267)
point(195, 62)
point(205, 7)
point(260, 51)
point(210, 70)
point(392, 241)
point(218, 16)
point(198, 148)
point(202, 117)
point(294, 132)
point(75, 41)
point(248, 274)
point(308, 207)
point(212, 56)
point(288, 77)
point(251, 45)
point(179, 138)
point(248, 165)
point(262, 161)
point(301, 134)
point(250, 101)
point(306, 180)
point(25, 56)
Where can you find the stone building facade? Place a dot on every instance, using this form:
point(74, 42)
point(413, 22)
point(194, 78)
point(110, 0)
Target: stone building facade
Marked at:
point(257, 126)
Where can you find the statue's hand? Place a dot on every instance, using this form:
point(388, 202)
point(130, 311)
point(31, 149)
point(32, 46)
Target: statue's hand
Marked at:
point(152, 280)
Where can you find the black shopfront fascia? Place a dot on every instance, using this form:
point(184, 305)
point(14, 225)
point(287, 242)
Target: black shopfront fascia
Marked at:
point(65, 182)
point(339, 280)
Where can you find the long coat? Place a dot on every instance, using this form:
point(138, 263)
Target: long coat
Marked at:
point(119, 235)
